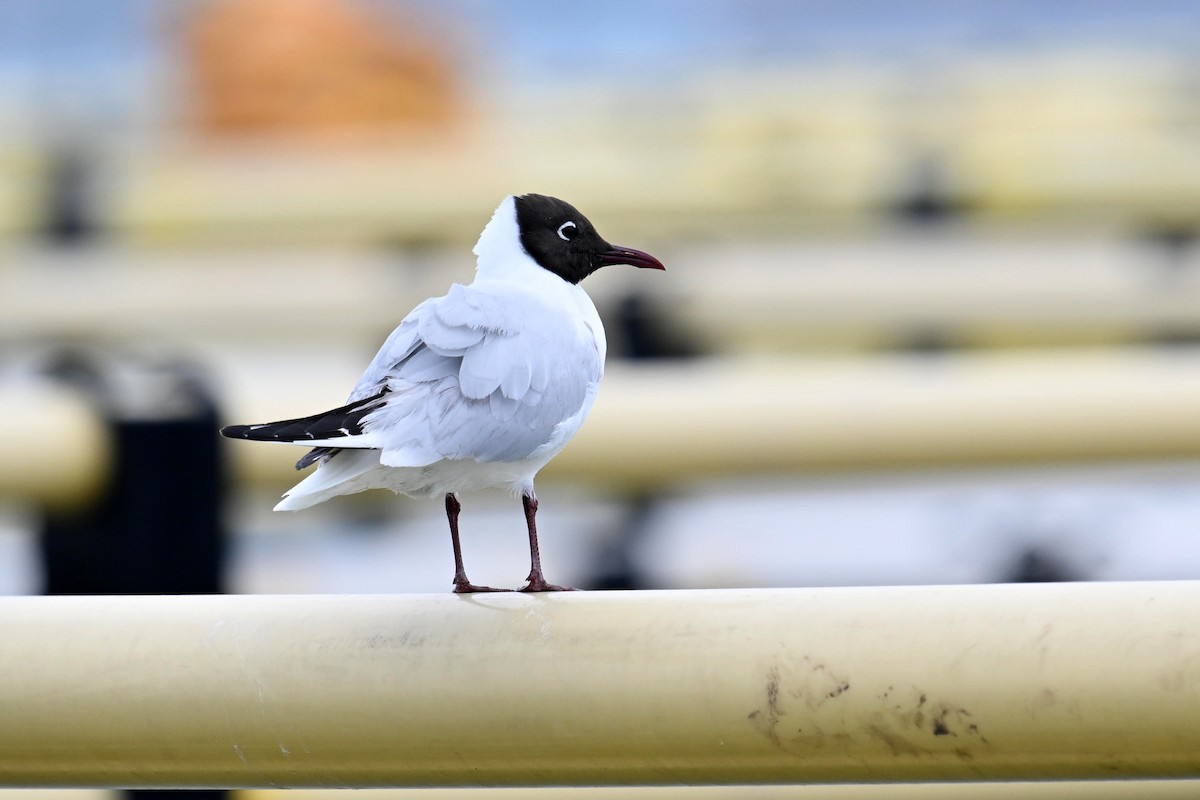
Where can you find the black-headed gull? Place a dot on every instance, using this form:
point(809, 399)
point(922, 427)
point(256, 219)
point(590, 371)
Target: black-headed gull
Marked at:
point(479, 388)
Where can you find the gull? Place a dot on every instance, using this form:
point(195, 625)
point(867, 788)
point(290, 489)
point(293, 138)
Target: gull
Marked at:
point(478, 388)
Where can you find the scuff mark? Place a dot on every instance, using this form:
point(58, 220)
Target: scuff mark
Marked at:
point(544, 627)
point(788, 681)
point(405, 640)
point(896, 743)
point(1043, 648)
point(1043, 700)
point(924, 725)
point(773, 692)
point(766, 719)
point(952, 721)
point(1182, 674)
point(817, 684)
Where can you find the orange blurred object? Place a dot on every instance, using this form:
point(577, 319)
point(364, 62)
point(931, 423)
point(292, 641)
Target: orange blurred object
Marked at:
point(312, 68)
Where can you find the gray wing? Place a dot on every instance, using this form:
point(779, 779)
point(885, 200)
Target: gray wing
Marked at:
point(474, 375)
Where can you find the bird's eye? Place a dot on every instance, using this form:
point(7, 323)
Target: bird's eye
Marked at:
point(566, 231)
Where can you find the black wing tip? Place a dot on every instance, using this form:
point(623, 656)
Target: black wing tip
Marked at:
point(335, 424)
point(236, 431)
point(268, 432)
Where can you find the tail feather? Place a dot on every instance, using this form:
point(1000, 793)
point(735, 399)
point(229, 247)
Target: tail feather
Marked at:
point(321, 454)
point(345, 472)
point(339, 423)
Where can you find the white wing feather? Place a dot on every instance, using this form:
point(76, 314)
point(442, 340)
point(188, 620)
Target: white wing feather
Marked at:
point(470, 378)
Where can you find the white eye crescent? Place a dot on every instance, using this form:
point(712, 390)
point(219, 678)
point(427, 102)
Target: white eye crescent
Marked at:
point(562, 231)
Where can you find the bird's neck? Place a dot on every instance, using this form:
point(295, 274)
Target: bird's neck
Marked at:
point(500, 241)
point(501, 257)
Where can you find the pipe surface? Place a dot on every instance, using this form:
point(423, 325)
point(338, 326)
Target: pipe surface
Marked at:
point(980, 683)
point(1046, 790)
point(660, 426)
point(655, 426)
point(663, 425)
point(58, 448)
point(876, 292)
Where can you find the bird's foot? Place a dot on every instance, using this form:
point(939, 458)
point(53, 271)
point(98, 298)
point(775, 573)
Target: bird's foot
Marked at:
point(466, 587)
point(538, 584)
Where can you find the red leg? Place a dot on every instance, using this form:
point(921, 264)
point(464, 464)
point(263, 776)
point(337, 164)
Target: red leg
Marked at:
point(537, 582)
point(461, 584)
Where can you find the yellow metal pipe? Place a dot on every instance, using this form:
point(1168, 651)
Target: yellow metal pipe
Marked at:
point(654, 427)
point(850, 295)
point(1047, 790)
point(662, 425)
point(976, 683)
point(57, 452)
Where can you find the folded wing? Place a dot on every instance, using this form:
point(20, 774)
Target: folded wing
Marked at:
point(472, 375)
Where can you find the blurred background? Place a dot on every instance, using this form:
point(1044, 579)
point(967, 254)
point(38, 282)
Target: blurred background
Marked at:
point(931, 315)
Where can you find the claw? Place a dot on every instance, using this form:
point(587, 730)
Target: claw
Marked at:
point(539, 584)
point(466, 587)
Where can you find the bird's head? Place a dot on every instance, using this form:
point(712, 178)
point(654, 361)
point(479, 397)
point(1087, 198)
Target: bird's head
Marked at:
point(563, 241)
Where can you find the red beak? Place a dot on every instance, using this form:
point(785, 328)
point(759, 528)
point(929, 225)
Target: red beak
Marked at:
point(627, 255)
